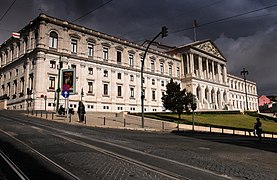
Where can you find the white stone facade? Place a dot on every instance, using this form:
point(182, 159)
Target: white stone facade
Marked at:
point(108, 70)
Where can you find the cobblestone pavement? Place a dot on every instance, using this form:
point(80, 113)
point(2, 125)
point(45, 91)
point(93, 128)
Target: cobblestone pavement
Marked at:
point(236, 156)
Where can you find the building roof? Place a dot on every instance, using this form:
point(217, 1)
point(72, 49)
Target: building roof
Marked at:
point(206, 46)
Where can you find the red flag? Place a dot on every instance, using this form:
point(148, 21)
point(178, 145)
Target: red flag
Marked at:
point(16, 35)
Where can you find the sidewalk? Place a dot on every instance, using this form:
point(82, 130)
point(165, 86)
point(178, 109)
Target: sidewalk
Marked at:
point(131, 122)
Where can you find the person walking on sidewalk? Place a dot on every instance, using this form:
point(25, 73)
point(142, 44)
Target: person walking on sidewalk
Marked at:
point(258, 129)
point(81, 111)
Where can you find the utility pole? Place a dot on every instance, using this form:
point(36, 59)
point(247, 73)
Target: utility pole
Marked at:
point(164, 33)
point(244, 73)
point(58, 87)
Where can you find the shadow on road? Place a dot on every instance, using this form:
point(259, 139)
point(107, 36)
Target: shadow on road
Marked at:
point(267, 144)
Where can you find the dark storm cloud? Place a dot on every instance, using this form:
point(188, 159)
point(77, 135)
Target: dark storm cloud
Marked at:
point(247, 41)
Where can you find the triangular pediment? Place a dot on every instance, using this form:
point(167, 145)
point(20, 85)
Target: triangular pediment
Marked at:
point(210, 48)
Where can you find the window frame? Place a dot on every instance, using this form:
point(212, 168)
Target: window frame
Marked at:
point(74, 45)
point(53, 40)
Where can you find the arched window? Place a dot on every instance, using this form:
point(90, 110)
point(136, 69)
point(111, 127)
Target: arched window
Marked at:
point(53, 40)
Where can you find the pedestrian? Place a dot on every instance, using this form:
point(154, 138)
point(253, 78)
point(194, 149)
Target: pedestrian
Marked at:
point(258, 129)
point(81, 111)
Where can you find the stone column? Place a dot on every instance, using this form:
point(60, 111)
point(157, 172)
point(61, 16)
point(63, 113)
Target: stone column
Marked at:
point(200, 66)
point(2, 59)
point(29, 43)
point(207, 69)
point(191, 64)
point(213, 75)
point(219, 73)
point(224, 74)
point(188, 63)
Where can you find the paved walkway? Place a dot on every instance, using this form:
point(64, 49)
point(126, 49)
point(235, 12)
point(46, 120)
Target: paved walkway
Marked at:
point(127, 121)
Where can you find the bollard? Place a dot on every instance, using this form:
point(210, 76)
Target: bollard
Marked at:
point(104, 121)
point(124, 122)
point(69, 117)
point(210, 128)
point(245, 133)
point(222, 131)
point(272, 135)
point(40, 113)
point(32, 112)
point(233, 131)
point(46, 114)
point(36, 113)
point(85, 119)
point(163, 126)
point(52, 116)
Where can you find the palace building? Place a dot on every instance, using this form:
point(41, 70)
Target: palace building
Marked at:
point(106, 71)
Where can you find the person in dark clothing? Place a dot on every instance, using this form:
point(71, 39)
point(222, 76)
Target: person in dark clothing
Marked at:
point(258, 129)
point(81, 111)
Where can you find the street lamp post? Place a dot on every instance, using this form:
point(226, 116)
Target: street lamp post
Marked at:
point(164, 33)
point(244, 73)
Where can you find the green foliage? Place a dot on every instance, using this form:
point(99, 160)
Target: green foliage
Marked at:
point(175, 99)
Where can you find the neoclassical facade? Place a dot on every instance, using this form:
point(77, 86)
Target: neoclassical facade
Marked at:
point(107, 71)
point(204, 73)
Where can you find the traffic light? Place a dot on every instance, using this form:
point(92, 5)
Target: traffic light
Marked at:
point(164, 31)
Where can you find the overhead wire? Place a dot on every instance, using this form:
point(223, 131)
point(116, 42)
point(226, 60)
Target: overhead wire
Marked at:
point(86, 14)
point(196, 9)
point(7, 10)
point(224, 19)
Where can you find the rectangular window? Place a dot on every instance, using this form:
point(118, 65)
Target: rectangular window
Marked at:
point(119, 91)
point(105, 73)
point(162, 83)
point(51, 82)
point(105, 88)
point(153, 95)
point(132, 92)
point(16, 72)
point(105, 53)
point(153, 81)
point(73, 66)
point(118, 75)
point(152, 66)
point(170, 70)
point(118, 57)
point(53, 40)
point(131, 60)
point(178, 71)
point(90, 49)
point(90, 87)
point(90, 70)
point(131, 77)
point(53, 64)
point(162, 68)
point(74, 45)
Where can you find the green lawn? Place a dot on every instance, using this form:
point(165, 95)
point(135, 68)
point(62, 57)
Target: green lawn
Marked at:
point(243, 121)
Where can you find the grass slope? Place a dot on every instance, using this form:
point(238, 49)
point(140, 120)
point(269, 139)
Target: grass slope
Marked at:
point(237, 121)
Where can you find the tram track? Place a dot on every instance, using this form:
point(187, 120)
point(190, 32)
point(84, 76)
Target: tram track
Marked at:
point(116, 151)
point(11, 166)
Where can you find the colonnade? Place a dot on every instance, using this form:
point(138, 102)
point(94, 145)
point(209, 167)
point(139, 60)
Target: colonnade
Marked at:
point(197, 65)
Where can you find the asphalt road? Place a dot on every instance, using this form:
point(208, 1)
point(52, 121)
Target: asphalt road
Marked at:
point(100, 153)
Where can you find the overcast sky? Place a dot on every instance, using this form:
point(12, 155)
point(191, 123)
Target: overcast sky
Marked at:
point(248, 40)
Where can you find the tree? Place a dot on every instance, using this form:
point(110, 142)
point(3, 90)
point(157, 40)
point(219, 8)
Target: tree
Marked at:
point(177, 100)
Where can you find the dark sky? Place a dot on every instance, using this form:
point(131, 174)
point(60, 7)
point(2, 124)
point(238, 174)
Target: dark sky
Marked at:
point(248, 40)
